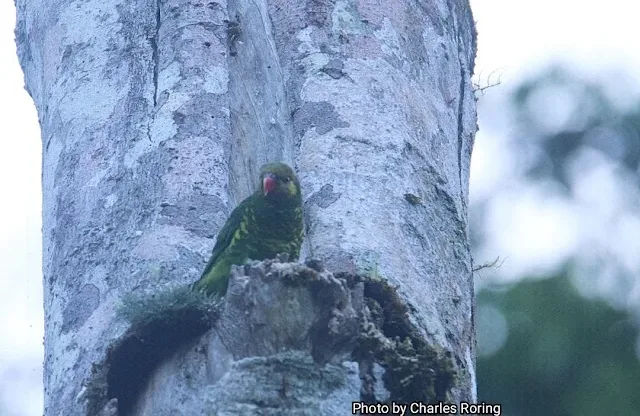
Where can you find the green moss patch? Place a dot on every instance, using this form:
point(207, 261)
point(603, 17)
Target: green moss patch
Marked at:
point(414, 369)
point(161, 322)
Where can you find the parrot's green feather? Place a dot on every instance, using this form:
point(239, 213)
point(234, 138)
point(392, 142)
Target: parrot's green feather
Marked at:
point(226, 233)
point(262, 226)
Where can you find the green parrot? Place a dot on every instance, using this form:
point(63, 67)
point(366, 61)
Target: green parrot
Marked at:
point(265, 224)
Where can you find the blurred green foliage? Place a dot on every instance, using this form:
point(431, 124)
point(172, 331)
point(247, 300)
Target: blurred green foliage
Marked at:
point(564, 355)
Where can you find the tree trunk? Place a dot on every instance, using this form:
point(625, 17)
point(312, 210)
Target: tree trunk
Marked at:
point(155, 117)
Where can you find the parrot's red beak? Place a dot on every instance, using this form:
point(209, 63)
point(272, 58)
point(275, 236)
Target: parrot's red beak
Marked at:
point(268, 183)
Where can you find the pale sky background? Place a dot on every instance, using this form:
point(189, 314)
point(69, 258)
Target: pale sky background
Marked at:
point(516, 38)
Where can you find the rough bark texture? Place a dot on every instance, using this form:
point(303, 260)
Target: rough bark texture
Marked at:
point(155, 116)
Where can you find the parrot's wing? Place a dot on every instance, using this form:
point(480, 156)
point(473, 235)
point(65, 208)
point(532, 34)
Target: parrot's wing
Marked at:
point(225, 236)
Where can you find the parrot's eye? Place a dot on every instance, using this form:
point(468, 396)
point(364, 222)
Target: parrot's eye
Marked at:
point(286, 179)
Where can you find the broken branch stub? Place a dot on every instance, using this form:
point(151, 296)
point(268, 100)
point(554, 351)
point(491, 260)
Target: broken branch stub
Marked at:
point(287, 329)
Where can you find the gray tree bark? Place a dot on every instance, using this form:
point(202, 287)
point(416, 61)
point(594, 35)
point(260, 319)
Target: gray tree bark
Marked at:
point(155, 117)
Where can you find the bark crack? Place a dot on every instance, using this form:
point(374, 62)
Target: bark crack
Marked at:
point(154, 54)
point(462, 97)
point(463, 74)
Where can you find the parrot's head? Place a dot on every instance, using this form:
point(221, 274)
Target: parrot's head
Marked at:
point(279, 182)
